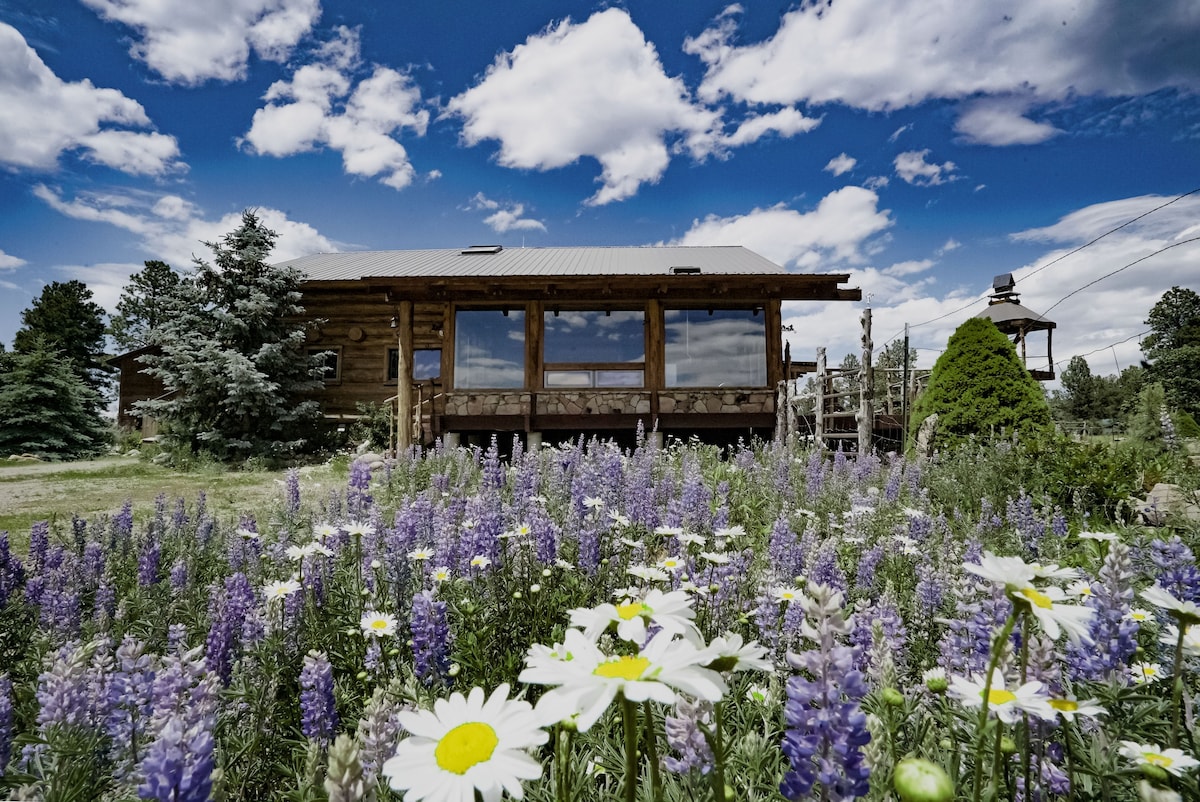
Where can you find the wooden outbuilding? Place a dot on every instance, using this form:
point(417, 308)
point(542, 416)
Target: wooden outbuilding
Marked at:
point(557, 341)
point(1018, 322)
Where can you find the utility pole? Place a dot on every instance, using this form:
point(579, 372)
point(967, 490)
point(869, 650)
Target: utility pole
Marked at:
point(904, 397)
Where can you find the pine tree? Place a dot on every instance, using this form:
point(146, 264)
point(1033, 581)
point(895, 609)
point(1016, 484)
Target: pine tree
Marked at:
point(71, 323)
point(45, 407)
point(143, 305)
point(1173, 347)
point(232, 354)
point(980, 388)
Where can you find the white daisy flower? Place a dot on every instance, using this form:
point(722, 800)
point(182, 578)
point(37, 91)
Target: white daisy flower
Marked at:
point(1145, 673)
point(726, 532)
point(322, 531)
point(691, 539)
point(1052, 571)
point(672, 612)
point(468, 524)
point(715, 557)
point(647, 573)
point(298, 553)
point(785, 593)
point(1004, 571)
point(248, 534)
point(1080, 588)
point(693, 589)
point(1103, 537)
point(563, 564)
point(1184, 611)
point(376, 624)
point(631, 543)
point(359, 529)
point(1191, 639)
point(758, 694)
point(1055, 617)
point(668, 531)
point(274, 591)
point(480, 561)
point(1069, 707)
point(589, 680)
point(593, 503)
point(440, 574)
point(520, 530)
point(671, 563)
point(466, 746)
point(733, 654)
point(913, 512)
point(1006, 704)
point(1139, 614)
point(1175, 761)
point(617, 518)
point(422, 553)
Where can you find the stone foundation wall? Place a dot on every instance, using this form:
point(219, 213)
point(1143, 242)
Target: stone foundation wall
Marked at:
point(595, 402)
point(747, 401)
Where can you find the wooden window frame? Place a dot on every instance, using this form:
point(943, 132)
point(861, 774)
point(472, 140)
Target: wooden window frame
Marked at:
point(336, 350)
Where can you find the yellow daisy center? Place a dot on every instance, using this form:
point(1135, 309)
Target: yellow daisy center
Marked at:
point(1065, 705)
point(630, 610)
point(1037, 599)
point(465, 746)
point(379, 623)
point(1155, 759)
point(626, 667)
point(999, 696)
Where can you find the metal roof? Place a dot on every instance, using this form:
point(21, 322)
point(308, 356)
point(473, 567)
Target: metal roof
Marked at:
point(1013, 312)
point(637, 261)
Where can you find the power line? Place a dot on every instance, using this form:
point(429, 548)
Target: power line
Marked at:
point(1058, 259)
point(1119, 269)
point(1104, 347)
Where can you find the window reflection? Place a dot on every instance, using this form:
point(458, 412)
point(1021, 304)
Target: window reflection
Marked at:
point(489, 349)
point(589, 348)
point(718, 348)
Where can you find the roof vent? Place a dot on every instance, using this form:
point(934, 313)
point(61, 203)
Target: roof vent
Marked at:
point(482, 249)
point(685, 270)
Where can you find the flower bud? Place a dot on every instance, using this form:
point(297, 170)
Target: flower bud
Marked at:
point(892, 697)
point(1156, 774)
point(918, 780)
point(454, 670)
point(546, 572)
point(535, 588)
point(517, 595)
point(1008, 746)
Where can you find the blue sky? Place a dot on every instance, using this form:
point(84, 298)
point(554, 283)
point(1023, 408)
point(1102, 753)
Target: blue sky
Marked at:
point(921, 145)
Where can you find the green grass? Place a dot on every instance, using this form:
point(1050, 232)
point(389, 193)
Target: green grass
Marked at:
point(31, 491)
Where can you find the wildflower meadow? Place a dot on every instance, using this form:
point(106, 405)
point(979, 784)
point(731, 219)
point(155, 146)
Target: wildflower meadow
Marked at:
point(583, 622)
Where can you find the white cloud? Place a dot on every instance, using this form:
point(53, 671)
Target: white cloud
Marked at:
point(45, 117)
point(592, 89)
point(908, 268)
point(312, 110)
point(951, 245)
point(785, 122)
point(172, 229)
point(877, 182)
point(9, 262)
point(189, 42)
point(1002, 121)
point(901, 130)
point(897, 55)
point(913, 169)
point(505, 217)
point(841, 164)
point(837, 230)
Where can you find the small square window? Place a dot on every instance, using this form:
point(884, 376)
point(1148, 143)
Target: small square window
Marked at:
point(427, 364)
point(333, 363)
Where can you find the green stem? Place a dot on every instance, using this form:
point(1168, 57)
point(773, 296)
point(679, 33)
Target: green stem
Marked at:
point(629, 721)
point(981, 727)
point(1177, 687)
point(652, 750)
point(562, 763)
point(1025, 741)
point(719, 754)
point(997, 758)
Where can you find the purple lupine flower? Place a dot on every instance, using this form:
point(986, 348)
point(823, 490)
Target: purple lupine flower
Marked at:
point(92, 567)
point(1176, 568)
point(967, 644)
point(826, 727)
point(686, 738)
point(930, 590)
point(228, 607)
point(1058, 523)
point(431, 638)
point(104, 603)
point(1113, 636)
point(825, 569)
point(64, 694)
point(179, 763)
point(783, 550)
point(121, 526)
point(179, 574)
point(815, 474)
point(204, 530)
point(6, 721)
point(292, 491)
point(159, 523)
point(376, 734)
point(39, 543)
point(1022, 517)
point(12, 573)
point(129, 704)
point(867, 565)
point(491, 477)
point(358, 496)
point(176, 638)
point(545, 535)
point(886, 614)
point(179, 518)
point(891, 491)
point(318, 708)
point(148, 561)
point(766, 619)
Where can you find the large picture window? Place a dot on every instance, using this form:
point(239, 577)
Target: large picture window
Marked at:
point(716, 348)
point(594, 348)
point(489, 349)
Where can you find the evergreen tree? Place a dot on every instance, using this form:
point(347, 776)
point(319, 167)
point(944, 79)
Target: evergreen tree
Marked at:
point(1173, 347)
point(143, 305)
point(232, 354)
point(71, 323)
point(980, 388)
point(45, 407)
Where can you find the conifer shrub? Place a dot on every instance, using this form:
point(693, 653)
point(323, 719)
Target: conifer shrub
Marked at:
point(979, 388)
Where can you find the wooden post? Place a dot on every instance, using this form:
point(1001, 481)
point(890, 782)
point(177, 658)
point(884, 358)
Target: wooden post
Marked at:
point(866, 395)
point(404, 376)
point(819, 408)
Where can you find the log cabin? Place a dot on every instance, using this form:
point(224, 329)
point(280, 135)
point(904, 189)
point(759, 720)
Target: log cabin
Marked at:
point(554, 342)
